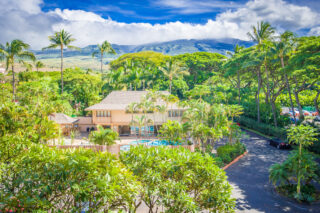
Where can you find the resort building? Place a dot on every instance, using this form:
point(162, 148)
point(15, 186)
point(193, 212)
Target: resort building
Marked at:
point(112, 112)
point(65, 122)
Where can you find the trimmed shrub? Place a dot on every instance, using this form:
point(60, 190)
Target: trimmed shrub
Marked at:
point(179, 180)
point(229, 152)
point(55, 180)
point(265, 129)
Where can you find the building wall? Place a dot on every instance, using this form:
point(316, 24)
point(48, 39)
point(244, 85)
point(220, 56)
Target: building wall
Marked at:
point(120, 117)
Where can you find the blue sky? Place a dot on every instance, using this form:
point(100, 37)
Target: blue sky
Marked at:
point(159, 11)
point(146, 21)
point(148, 11)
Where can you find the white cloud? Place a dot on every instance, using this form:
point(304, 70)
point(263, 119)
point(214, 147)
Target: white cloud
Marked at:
point(33, 25)
point(314, 31)
point(195, 6)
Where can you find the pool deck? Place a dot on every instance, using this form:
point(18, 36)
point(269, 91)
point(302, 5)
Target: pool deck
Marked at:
point(128, 140)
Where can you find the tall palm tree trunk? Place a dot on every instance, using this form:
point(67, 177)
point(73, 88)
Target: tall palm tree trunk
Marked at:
point(268, 86)
point(289, 91)
point(316, 102)
point(273, 106)
point(258, 96)
point(61, 69)
point(296, 94)
point(238, 85)
point(101, 62)
point(170, 85)
point(13, 83)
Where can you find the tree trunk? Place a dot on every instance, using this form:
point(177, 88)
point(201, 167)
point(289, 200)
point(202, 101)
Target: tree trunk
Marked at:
point(170, 86)
point(238, 85)
point(273, 106)
point(268, 86)
point(296, 94)
point(258, 96)
point(299, 176)
point(289, 91)
point(316, 102)
point(101, 62)
point(13, 83)
point(61, 69)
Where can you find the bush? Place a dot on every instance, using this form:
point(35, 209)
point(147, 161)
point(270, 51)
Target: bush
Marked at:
point(103, 136)
point(229, 152)
point(179, 180)
point(263, 128)
point(61, 180)
point(285, 176)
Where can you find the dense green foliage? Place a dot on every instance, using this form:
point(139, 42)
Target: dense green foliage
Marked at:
point(103, 136)
point(54, 180)
point(300, 168)
point(179, 180)
point(229, 152)
point(286, 176)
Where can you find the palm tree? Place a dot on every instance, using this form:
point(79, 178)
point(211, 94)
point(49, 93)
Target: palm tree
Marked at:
point(105, 47)
point(173, 69)
point(103, 136)
point(28, 66)
point(39, 65)
point(284, 48)
point(132, 108)
point(61, 39)
point(263, 32)
point(17, 49)
point(141, 121)
point(237, 49)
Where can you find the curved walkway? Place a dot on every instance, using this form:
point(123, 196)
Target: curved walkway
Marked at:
point(249, 178)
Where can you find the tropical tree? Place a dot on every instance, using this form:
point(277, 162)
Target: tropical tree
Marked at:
point(260, 34)
point(15, 50)
point(61, 39)
point(283, 48)
point(39, 65)
point(303, 136)
point(105, 47)
point(172, 70)
point(28, 66)
point(237, 49)
point(172, 131)
point(103, 136)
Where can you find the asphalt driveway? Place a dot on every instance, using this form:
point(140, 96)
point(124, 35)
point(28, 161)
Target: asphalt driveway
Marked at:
point(249, 177)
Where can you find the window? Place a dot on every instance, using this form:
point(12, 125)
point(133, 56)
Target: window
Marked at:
point(103, 114)
point(175, 113)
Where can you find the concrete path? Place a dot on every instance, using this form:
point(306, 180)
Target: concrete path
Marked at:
point(249, 177)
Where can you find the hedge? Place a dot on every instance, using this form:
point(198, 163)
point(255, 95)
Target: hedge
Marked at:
point(263, 128)
point(229, 152)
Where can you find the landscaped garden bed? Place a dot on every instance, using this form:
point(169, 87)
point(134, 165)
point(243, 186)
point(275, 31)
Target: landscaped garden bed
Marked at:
point(296, 177)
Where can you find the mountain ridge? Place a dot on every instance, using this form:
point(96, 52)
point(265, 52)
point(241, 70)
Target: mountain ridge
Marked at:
point(170, 48)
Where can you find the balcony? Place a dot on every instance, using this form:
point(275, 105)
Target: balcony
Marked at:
point(102, 120)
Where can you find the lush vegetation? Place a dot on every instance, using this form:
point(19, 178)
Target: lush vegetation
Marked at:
point(250, 87)
point(295, 176)
point(179, 180)
point(103, 136)
point(229, 152)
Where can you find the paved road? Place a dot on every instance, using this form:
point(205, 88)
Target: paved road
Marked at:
point(249, 177)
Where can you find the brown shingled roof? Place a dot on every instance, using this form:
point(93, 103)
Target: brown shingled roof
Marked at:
point(61, 118)
point(119, 100)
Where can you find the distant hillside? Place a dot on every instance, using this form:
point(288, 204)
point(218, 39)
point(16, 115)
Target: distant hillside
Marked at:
point(82, 58)
point(170, 48)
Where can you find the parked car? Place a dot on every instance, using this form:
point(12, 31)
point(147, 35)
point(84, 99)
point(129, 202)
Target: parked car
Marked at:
point(306, 113)
point(280, 144)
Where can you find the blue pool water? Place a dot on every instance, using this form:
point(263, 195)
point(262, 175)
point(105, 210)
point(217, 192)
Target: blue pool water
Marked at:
point(148, 142)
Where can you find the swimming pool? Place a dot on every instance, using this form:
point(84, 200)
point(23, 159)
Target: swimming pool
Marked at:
point(149, 143)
